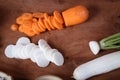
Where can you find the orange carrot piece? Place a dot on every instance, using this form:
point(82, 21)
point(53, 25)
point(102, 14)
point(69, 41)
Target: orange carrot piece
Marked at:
point(19, 20)
point(14, 27)
point(27, 23)
point(50, 22)
point(20, 29)
point(40, 21)
point(58, 16)
point(35, 28)
point(34, 20)
point(41, 27)
point(57, 24)
point(75, 15)
point(27, 16)
point(47, 25)
point(38, 15)
point(29, 32)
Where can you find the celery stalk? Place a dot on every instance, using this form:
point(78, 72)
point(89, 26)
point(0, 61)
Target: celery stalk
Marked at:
point(111, 42)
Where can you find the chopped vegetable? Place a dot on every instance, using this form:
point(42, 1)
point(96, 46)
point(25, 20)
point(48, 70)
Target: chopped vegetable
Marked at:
point(111, 42)
point(35, 23)
point(14, 27)
point(75, 15)
point(94, 47)
point(41, 54)
point(48, 77)
point(98, 66)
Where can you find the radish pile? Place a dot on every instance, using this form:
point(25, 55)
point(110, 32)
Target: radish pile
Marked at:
point(42, 54)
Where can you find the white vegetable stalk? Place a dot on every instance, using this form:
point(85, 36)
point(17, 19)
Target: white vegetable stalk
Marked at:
point(98, 66)
point(4, 76)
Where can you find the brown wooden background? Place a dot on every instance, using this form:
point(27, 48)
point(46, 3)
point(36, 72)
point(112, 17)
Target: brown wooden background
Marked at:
point(104, 20)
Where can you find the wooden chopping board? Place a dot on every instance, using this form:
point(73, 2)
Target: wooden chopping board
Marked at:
point(72, 42)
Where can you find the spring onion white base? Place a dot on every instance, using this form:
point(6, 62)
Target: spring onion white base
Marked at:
point(98, 66)
point(94, 47)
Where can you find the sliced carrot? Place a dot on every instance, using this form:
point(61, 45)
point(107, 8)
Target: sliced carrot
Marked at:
point(47, 25)
point(40, 21)
point(27, 16)
point(36, 28)
point(46, 16)
point(34, 20)
point(75, 15)
point(57, 24)
point(20, 29)
point(58, 16)
point(27, 23)
point(41, 27)
point(38, 15)
point(14, 27)
point(19, 20)
point(29, 32)
point(50, 22)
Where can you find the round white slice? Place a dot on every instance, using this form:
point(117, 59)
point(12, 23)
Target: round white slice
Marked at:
point(48, 54)
point(17, 51)
point(57, 58)
point(41, 59)
point(23, 41)
point(48, 77)
point(22, 54)
point(8, 51)
point(43, 44)
point(94, 47)
point(28, 49)
point(32, 53)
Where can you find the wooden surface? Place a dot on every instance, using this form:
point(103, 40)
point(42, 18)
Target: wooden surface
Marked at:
point(72, 42)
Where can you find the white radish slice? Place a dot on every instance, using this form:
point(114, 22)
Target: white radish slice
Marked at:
point(98, 66)
point(48, 77)
point(41, 59)
point(17, 51)
point(32, 52)
point(94, 47)
point(23, 56)
point(8, 51)
point(28, 49)
point(43, 44)
point(57, 58)
point(23, 41)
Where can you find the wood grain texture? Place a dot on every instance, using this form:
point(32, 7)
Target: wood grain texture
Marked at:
point(72, 42)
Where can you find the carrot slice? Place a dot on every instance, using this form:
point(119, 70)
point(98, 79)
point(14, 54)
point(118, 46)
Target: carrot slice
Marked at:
point(29, 32)
point(34, 20)
point(47, 25)
point(41, 27)
point(19, 20)
point(27, 16)
point(46, 16)
point(36, 28)
point(27, 23)
point(58, 17)
point(57, 24)
point(38, 15)
point(20, 29)
point(14, 27)
point(40, 21)
point(50, 22)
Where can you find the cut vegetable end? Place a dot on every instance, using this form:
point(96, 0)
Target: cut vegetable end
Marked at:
point(23, 41)
point(94, 47)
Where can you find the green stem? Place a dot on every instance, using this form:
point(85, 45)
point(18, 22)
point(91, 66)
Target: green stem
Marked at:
point(111, 42)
